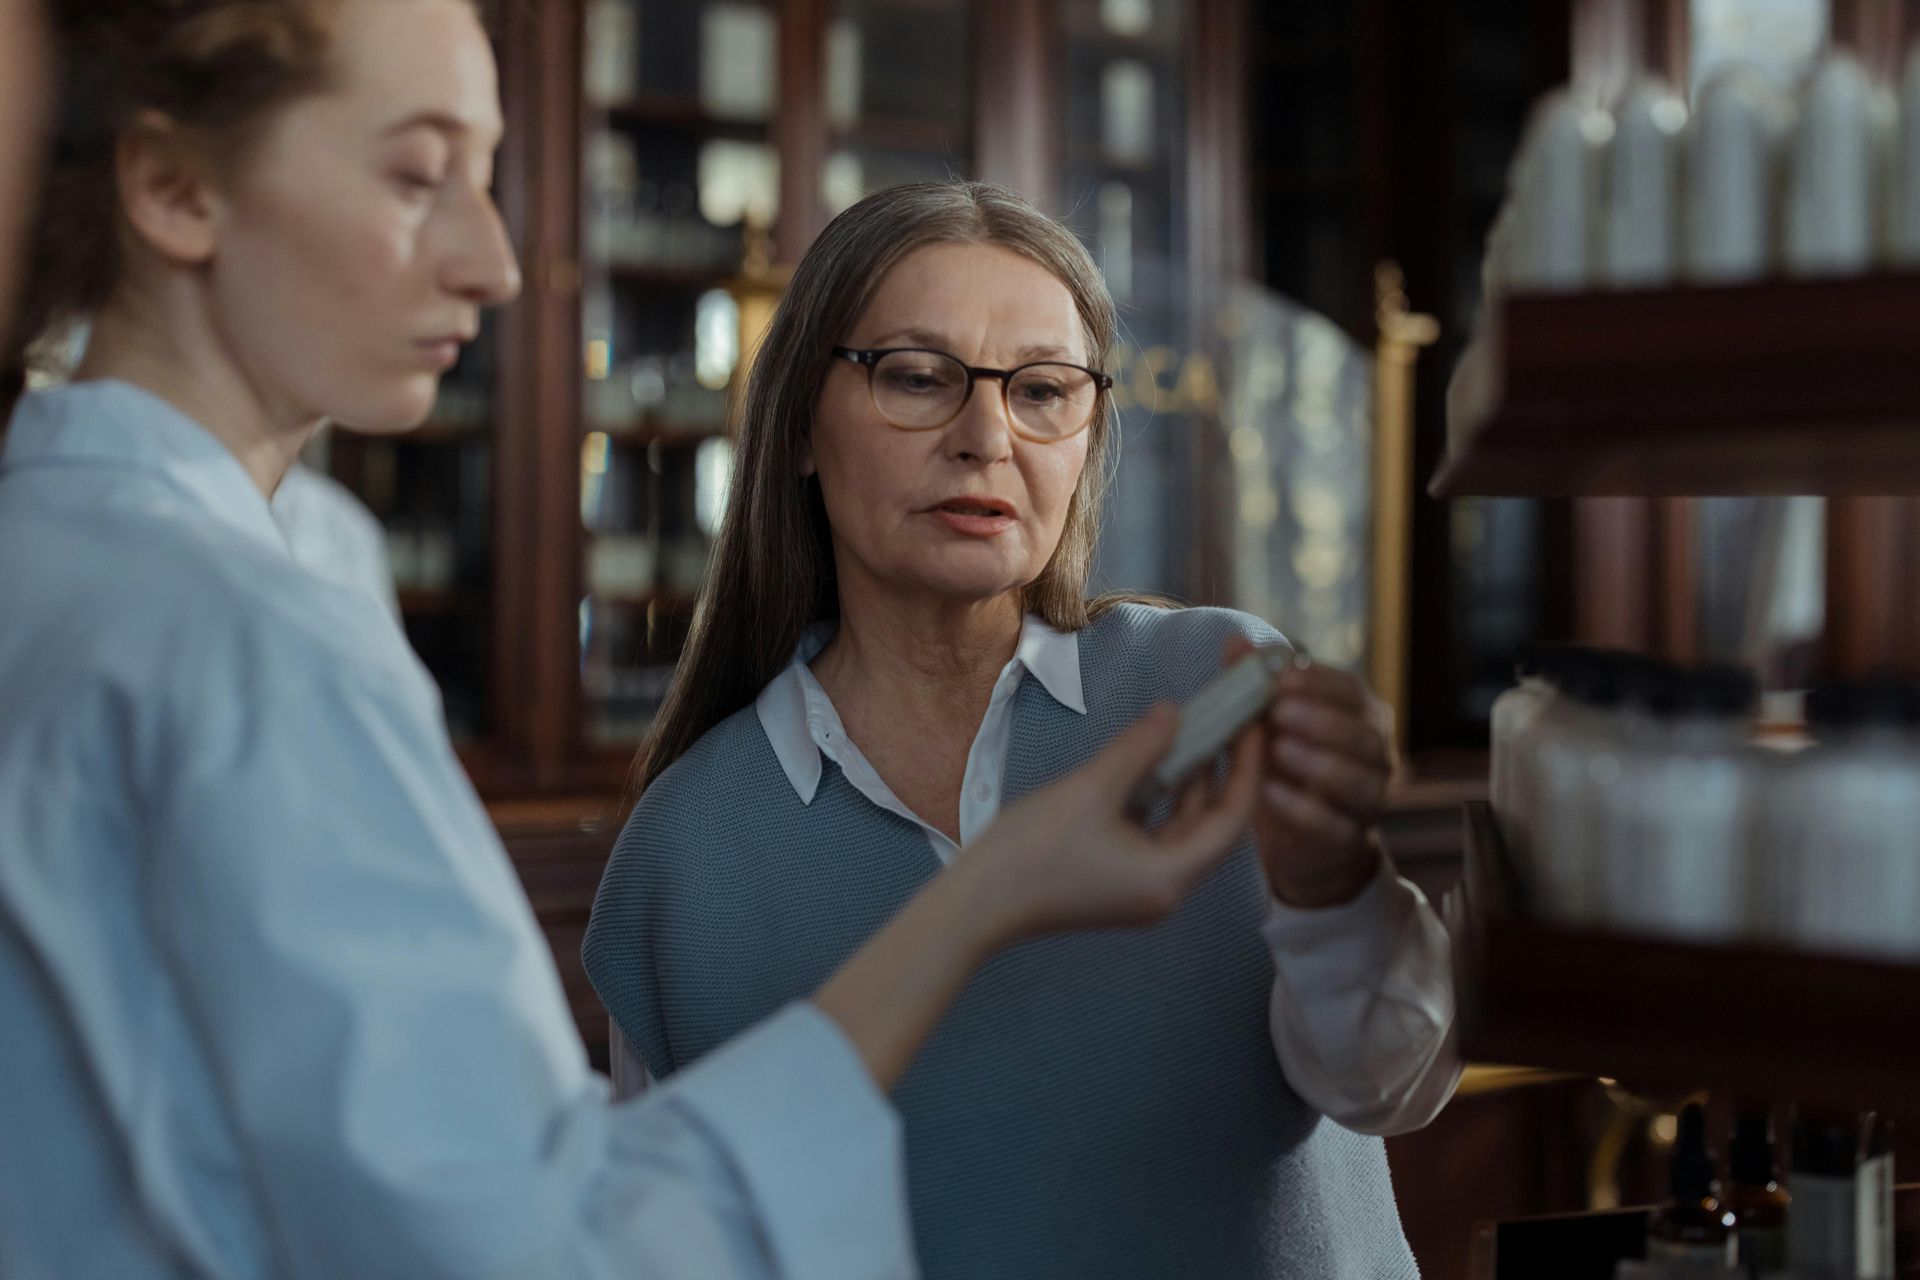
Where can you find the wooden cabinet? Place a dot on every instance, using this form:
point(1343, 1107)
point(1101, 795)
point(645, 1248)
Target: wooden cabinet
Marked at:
point(665, 162)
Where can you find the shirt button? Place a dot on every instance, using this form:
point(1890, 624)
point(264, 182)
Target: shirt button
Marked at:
point(982, 791)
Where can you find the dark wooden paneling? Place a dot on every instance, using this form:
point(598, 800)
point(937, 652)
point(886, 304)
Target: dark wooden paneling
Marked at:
point(560, 852)
point(1661, 1015)
point(537, 548)
point(1218, 199)
point(1015, 51)
point(1873, 607)
point(1613, 572)
point(1505, 1153)
point(800, 125)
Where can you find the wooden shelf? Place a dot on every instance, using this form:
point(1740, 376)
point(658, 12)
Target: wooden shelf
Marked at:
point(677, 279)
point(1091, 34)
point(1779, 387)
point(1305, 182)
point(431, 603)
point(1663, 1016)
point(902, 133)
point(672, 601)
point(678, 111)
point(432, 432)
point(666, 436)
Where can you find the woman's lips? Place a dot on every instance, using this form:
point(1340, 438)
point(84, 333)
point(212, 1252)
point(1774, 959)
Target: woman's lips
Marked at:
point(442, 352)
point(974, 519)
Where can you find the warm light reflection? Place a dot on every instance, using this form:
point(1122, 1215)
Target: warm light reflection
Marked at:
point(599, 359)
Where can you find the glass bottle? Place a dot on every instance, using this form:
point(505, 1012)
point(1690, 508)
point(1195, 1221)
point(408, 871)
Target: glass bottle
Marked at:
point(1756, 1199)
point(1693, 1228)
point(1514, 715)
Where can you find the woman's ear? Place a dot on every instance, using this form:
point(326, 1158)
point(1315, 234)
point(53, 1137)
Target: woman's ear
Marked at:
point(166, 190)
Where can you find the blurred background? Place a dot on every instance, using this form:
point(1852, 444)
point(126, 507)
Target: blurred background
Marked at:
point(1312, 214)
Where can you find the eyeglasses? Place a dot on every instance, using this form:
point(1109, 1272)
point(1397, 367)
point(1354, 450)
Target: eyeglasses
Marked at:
point(920, 389)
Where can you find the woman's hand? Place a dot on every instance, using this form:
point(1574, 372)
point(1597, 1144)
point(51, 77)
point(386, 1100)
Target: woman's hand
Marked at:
point(1070, 857)
point(1328, 765)
point(1065, 858)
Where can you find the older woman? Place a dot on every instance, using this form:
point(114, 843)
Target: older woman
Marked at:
point(896, 641)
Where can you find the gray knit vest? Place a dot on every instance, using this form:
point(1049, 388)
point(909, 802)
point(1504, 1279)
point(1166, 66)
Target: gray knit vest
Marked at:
point(1101, 1105)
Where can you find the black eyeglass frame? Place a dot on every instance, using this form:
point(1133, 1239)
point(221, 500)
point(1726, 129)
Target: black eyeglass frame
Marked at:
point(870, 360)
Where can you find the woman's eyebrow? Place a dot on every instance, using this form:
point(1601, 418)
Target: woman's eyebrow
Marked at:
point(940, 342)
point(915, 338)
point(1042, 352)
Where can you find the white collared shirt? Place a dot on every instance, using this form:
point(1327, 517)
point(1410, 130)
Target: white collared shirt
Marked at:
point(1362, 1008)
point(272, 1000)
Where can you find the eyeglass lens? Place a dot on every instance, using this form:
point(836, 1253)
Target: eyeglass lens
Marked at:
point(919, 390)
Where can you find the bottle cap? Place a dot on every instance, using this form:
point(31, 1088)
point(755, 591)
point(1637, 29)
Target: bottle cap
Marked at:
point(1750, 1157)
point(1720, 691)
point(1825, 1150)
point(1595, 677)
point(1693, 1168)
point(1863, 704)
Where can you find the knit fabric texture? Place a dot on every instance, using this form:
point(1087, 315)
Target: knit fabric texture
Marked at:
point(1103, 1104)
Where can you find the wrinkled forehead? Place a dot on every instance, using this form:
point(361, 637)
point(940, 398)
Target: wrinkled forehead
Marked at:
point(954, 296)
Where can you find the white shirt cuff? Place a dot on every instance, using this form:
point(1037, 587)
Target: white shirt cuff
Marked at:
point(815, 1143)
point(1363, 1006)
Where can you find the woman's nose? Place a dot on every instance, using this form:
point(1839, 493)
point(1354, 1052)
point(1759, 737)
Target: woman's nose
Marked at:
point(481, 265)
point(983, 432)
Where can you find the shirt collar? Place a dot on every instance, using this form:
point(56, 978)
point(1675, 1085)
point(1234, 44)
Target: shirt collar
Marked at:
point(793, 708)
point(116, 423)
point(1053, 658)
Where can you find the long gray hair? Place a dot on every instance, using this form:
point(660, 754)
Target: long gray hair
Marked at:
point(773, 570)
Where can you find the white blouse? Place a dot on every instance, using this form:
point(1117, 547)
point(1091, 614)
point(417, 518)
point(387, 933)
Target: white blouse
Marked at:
point(273, 1000)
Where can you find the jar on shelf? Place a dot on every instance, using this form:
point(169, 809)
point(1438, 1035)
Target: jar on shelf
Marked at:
point(1515, 713)
point(1642, 223)
point(1735, 160)
point(1677, 828)
point(1840, 853)
point(612, 43)
point(1575, 763)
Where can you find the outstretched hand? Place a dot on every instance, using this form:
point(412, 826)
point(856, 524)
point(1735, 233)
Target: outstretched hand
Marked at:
point(1071, 857)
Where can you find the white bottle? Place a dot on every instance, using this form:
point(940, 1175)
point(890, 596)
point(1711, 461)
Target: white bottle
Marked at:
point(1515, 713)
point(1642, 244)
point(1557, 195)
point(1906, 207)
point(1837, 173)
point(1576, 763)
point(1841, 849)
point(1735, 165)
point(612, 46)
point(1677, 827)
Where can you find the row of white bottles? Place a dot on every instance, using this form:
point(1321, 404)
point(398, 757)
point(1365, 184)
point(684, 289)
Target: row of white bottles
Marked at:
point(1631, 796)
point(1747, 182)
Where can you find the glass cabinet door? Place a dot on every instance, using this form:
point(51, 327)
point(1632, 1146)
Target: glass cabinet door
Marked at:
point(897, 96)
point(1122, 112)
point(680, 190)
